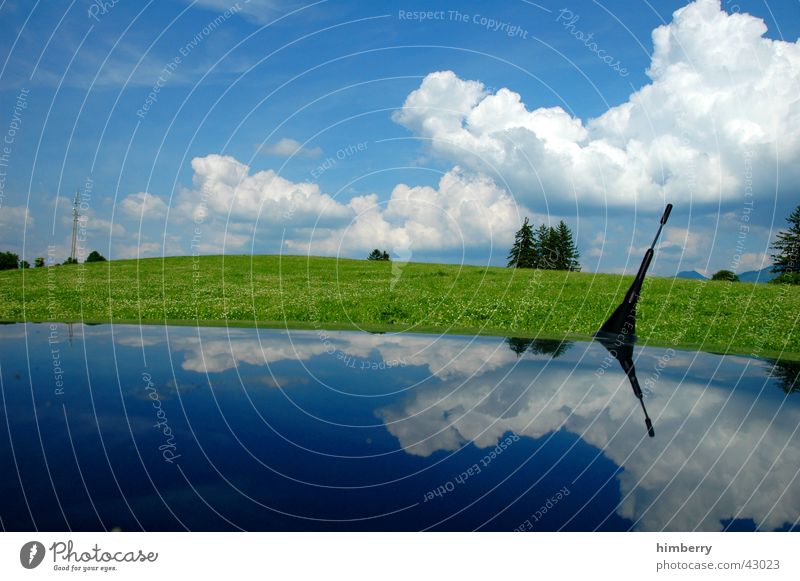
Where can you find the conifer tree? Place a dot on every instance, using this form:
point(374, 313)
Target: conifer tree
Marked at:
point(546, 247)
point(567, 250)
point(542, 248)
point(522, 252)
point(787, 259)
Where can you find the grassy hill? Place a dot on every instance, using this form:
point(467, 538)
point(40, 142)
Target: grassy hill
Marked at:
point(329, 293)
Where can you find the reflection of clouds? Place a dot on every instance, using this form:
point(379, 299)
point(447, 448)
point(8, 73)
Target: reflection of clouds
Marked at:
point(716, 437)
point(444, 418)
point(278, 381)
point(217, 355)
point(219, 350)
point(444, 357)
point(712, 454)
point(723, 449)
point(140, 341)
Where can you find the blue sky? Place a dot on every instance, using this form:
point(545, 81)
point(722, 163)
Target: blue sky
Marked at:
point(335, 127)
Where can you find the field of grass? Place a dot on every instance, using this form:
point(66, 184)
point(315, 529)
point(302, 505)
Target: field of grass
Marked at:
point(754, 319)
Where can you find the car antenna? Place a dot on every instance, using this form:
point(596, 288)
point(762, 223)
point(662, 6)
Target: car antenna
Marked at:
point(618, 333)
point(623, 319)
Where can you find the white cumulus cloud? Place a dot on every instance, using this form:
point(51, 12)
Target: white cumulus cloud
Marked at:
point(143, 205)
point(720, 94)
point(232, 205)
point(226, 195)
point(465, 210)
point(13, 222)
point(287, 147)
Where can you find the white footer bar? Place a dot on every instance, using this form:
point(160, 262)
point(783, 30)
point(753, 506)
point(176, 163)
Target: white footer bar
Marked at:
point(390, 556)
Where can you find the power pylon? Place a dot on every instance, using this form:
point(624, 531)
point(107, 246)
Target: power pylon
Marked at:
point(75, 216)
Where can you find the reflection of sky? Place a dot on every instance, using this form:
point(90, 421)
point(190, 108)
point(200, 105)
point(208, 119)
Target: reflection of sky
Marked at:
point(719, 452)
point(725, 446)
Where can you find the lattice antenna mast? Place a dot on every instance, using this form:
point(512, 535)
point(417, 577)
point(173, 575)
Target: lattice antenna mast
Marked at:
point(75, 216)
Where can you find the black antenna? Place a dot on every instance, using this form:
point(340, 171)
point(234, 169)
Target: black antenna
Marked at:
point(623, 352)
point(618, 333)
point(623, 319)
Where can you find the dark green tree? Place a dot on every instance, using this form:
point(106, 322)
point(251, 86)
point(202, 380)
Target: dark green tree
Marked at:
point(39, 262)
point(70, 260)
point(95, 256)
point(542, 246)
point(787, 373)
point(519, 344)
point(24, 264)
point(787, 278)
point(725, 275)
point(787, 258)
point(566, 251)
point(554, 347)
point(555, 248)
point(9, 261)
point(378, 255)
point(522, 254)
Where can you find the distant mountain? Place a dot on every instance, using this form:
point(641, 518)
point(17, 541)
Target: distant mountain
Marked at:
point(763, 275)
point(693, 274)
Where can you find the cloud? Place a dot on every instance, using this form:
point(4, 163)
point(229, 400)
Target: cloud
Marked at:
point(227, 202)
point(89, 220)
point(215, 355)
point(139, 341)
point(144, 205)
point(289, 147)
point(140, 250)
point(596, 246)
point(465, 210)
point(146, 247)
point(753, 261)
point(224, 186)
point(14, 215)
point(688, 243)
point(445, 360)
point(233, 205)
point(13, 221)
point(721, 94)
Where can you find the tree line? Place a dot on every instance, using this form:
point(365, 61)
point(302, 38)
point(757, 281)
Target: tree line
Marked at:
point(11, 261)
point(553, 248)
point(547, 248)
point(378, 255)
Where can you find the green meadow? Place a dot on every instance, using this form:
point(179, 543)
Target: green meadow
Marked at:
point(330, 293)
